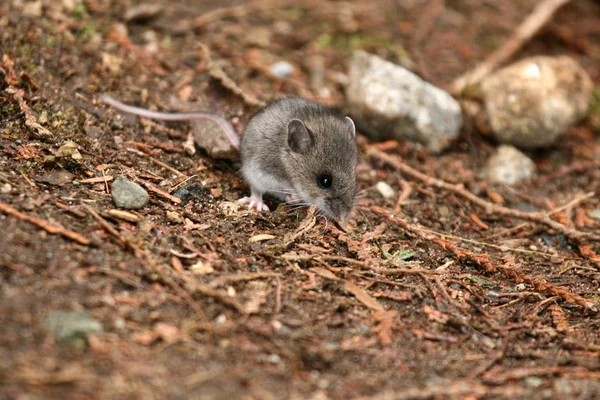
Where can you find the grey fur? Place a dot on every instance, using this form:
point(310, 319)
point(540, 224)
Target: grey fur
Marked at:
point(270, 165)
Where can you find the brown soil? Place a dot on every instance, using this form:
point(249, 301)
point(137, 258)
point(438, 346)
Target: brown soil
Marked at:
point(385, 310)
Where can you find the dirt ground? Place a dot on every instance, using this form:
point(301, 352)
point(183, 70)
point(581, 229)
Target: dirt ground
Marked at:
point(427, 294)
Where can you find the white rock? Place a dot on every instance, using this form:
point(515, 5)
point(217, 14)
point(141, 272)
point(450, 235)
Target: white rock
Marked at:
point(389, 101)
point(384, 190)
point(509, 166)
point(534, 101)
point(282, 69)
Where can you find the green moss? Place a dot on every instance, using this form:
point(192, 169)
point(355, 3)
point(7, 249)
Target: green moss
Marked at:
point(86, 33)
point(489, 42)
point(293, 13)
point(361, 40)
point(25, 51)
point(80, 11)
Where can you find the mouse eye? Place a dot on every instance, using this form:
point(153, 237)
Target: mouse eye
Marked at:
point(325, 181)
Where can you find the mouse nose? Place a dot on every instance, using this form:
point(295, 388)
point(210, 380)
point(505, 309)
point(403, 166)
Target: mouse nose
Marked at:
point(340, 210)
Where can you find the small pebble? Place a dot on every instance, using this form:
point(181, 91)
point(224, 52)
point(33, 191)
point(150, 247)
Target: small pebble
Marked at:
point(282, 69)
point(384, 190)
point(221, 319)
point(534, 381)
point(70, 326)
point(6, 188)
point(274, 359)
point(202, 268)
point(127, 194)
point(520, 287)
point(509, 166)
point(174, 217)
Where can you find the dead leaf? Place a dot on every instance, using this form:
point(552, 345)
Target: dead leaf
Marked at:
point(168, 333)
point(177, 265)
point(384, 326)
point(185, 92)
point(28, 152)
point(397, 296)
point(69, 150)
point(98, 179)
point(124, 215)
point(324, 273)
point(216, 192)
point(261, 237)
point(363, 296)
point(495, 197)
point(559, 318)
point(142, 12)
point(112, 62)
point(309, 221)
point(258, 292)
point(202, 268)
point(435, 315)
point(57, 177)
point(144, 338)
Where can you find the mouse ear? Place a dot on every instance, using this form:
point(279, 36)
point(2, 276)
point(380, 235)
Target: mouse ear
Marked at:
point(351, 127)
point(300, 138)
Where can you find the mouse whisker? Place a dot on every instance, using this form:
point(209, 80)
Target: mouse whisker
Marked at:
point(283, 191)
point(361, 194)
point(296, 206)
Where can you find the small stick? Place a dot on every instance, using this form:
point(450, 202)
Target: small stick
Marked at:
point(140, 253)
point(153, 188)
point(493, 246)
point(30, 121)
point(489, 208)
point(50, 228)
point(277, 307)
point(197, 287)
point(97, 179)
point(540, 16)
point(406, 191)
point(570, 204)
point(484, 261)
point(32, 184)
point(243, 277)
point(162, 164)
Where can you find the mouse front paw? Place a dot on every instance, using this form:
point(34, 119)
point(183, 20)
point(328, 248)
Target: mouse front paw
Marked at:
point(254, 202)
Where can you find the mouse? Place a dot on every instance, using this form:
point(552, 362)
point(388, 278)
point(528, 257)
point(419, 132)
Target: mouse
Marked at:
point(299, 151)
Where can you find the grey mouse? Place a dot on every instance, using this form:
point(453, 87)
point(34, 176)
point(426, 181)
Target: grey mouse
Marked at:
point(294, 149)
point(303, 153)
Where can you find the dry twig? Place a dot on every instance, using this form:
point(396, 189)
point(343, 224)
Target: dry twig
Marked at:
point(540, 16)
point(570, 204)
point(489, 208)
point(148, 261)
point(48, 227)
point(484, 260)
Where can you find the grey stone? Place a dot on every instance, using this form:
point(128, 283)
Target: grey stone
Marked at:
point(127, 194)
point(388, 101)
point(509, 166)
point(71, 325)
point(208, 135)
point(533, 102)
